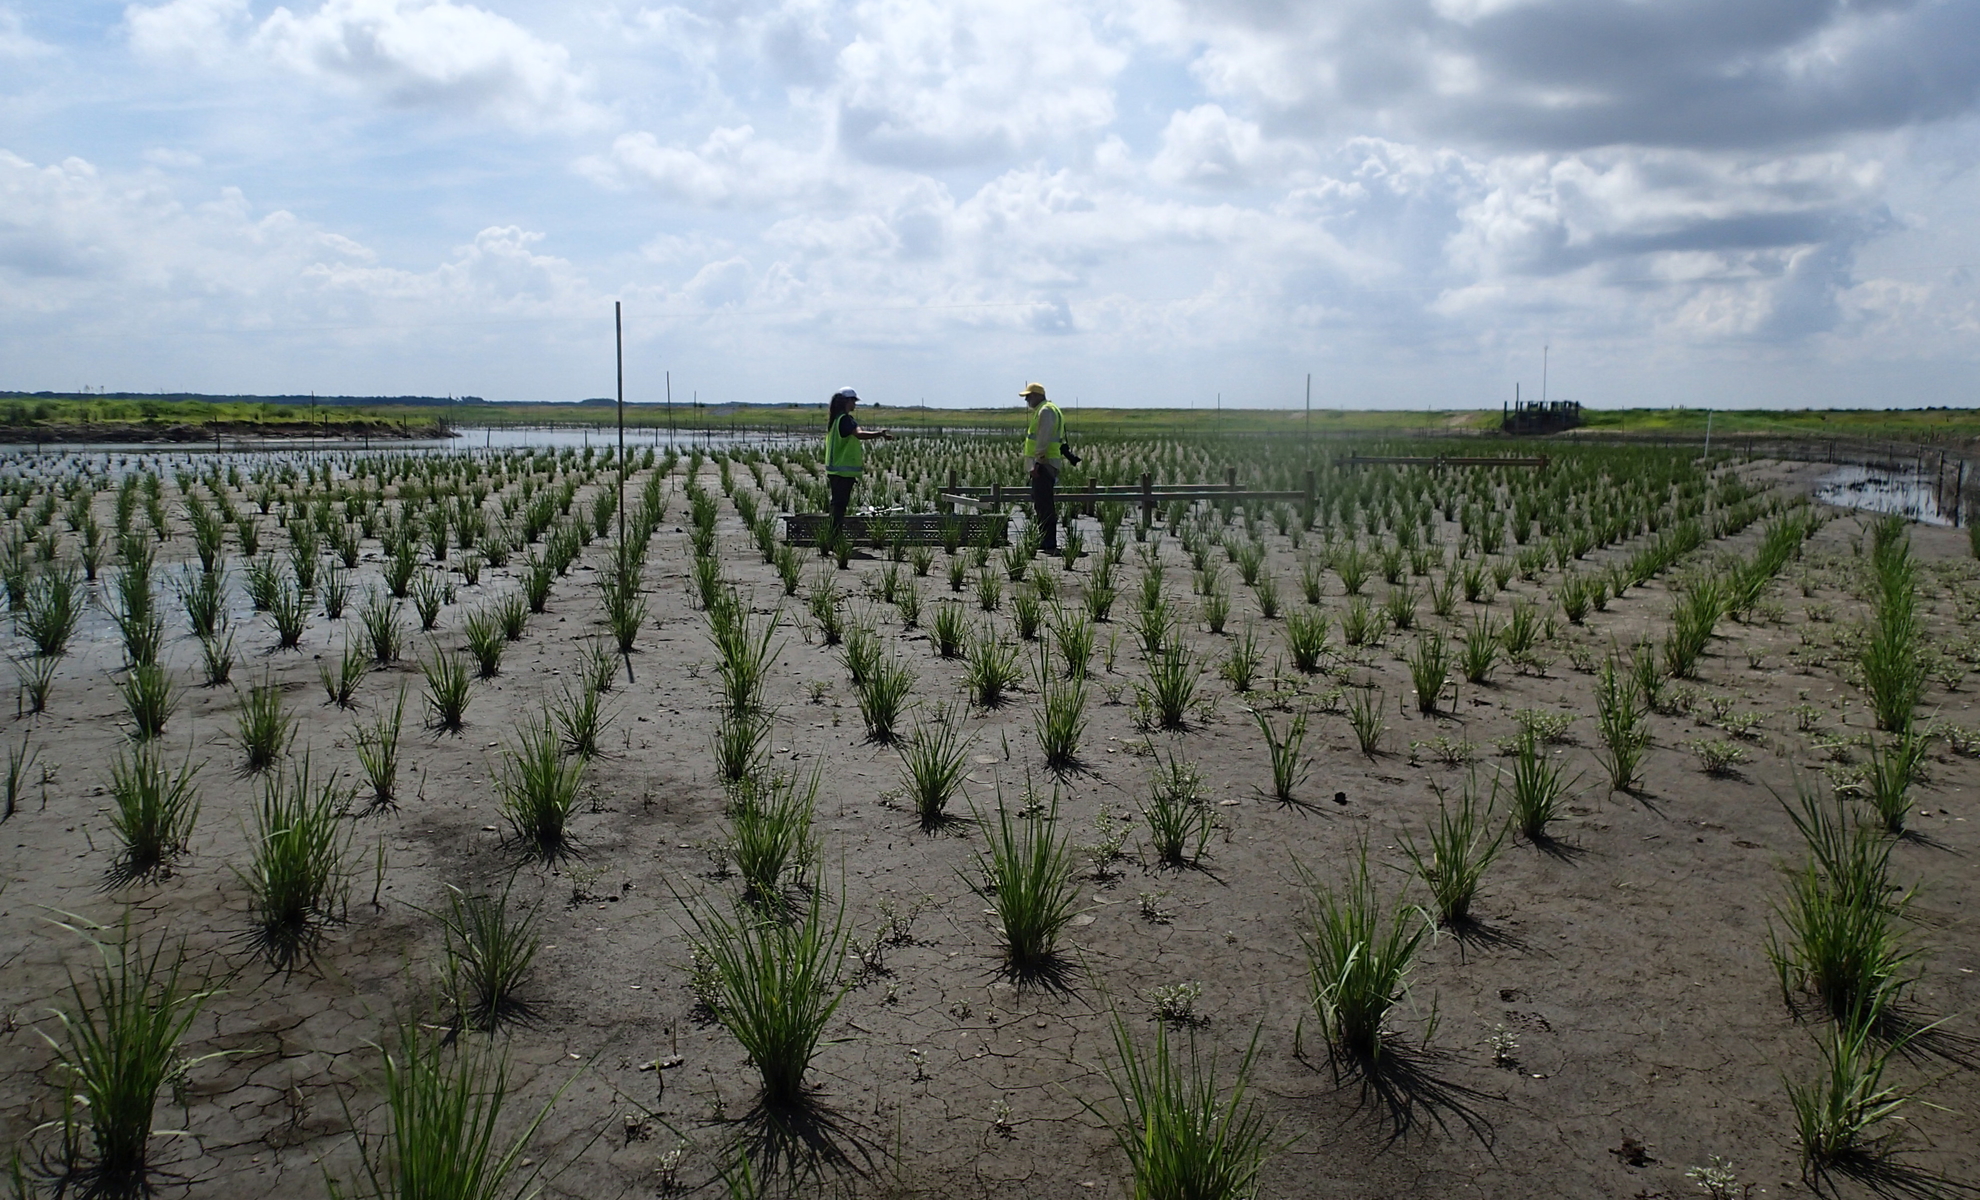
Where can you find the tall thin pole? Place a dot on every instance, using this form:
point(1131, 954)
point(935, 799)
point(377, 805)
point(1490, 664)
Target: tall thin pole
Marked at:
point(1543, 375)
point(619, 345)
point(1309, 412)
point(670, 406)
point(625, 553)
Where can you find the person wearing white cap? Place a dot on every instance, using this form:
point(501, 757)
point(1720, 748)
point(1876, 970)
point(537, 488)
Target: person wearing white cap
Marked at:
point(1044, 449)
point(845, 453)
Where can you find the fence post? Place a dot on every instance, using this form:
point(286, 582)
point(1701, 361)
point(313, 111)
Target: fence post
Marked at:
point(1311, 488)
point(1230, 478)
point(1092, 489)
point(1147, 497)
point(949, 506)
point(996, 497)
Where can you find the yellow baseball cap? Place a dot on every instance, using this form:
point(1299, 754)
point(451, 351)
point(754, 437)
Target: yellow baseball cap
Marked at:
point(1033, 389)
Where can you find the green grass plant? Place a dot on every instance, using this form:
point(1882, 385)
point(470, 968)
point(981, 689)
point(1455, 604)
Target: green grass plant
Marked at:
point(1462, 843)
point(1306, 638)
point(1171, 687)
point(120, 1028)
point(1186, 1135)
point(537, 785)
point(156, 809)
point(1359, 955)
point(383, 630)
point(1289, 764)
point(934, 760)
point(1620, 725)
point(775, 983)
point(52, 609)
point(1026, 875)
point(990, 668)
point(1429, 668)
point(377, 745)
point(149, 699)
point(485, 642)
point(1178, 813)
point(263, 727)
point(448, 689)
point(491, 947)
point(770, 836)
point(1538, 790)
point(882, 696)
point(299, 876)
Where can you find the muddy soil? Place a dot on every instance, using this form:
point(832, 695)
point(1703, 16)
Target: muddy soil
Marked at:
point(1622, 966)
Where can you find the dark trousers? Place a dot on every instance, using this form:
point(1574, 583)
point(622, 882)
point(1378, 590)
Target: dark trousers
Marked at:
point(842, 494)
point(1045, 509)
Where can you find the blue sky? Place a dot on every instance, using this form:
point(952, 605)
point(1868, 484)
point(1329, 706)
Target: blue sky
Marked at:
point(1770, 202)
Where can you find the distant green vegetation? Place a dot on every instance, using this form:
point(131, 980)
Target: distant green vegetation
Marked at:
point(99, 415)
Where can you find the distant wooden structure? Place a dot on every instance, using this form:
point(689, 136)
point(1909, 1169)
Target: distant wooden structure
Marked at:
point(1546, 416)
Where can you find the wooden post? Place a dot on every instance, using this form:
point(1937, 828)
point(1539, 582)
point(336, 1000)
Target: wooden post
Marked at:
point(1312, 487)
point(1147, 498)
point(996, 497)
point(1092, 488)
point(948, 506)
point(1230, 478)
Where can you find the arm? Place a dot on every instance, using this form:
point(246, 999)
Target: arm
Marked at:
point(867, 435)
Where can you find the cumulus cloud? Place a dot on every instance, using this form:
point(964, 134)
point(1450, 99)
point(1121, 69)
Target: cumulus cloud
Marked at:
point(80, 244)
point(15, 41)
point(1571, 74)
point(412, 54)
point(731, 166)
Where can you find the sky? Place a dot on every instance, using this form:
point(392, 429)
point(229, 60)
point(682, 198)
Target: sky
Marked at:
point(1417, 203)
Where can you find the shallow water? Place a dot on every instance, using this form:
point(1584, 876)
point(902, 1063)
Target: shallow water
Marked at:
point(1909, 494)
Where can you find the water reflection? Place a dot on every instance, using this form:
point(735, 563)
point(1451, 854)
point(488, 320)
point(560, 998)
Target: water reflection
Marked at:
point(1909, 494)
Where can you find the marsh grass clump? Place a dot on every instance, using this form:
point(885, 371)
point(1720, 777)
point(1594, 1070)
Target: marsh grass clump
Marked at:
point(118, 1047)
point(448, 686)
point(1364, 711)
point(1180, 819)
point(1463, 841)
point(990, 668)
point(1891, 660)
point(491, 946)
point(1619, 722)
point(1306, 638)
point(288, 613)
point(1539, 789)
point(934, 760)
point(580, 717)
point(1026, 876)
point(882, 695)
point(1429, 668)
point(741, 744)
point(52, 608)
point(1186, 1136)
point(774, 982)
point(155, 811)
point(148, 698)
point(1479, 653)
point(538, 786)
point(485, 642)
point(1241, 663)
point(746, 655)
point(1173, 673)
point(770, 838)
point(1289, 765)
point(264, 729)
point(1358, 958)
point(512, 614)
point(382, 628)
point(951, 630)
point(1840, 1114)
point(341, 682)
point(1892, 768)
point(377, 746)
point(1838, 934)
point(299, 876)
point(445, 1100)
point(34, 675)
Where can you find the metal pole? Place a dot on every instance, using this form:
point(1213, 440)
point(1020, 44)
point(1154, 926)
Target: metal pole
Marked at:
point(619, 351)
point(1309, 412)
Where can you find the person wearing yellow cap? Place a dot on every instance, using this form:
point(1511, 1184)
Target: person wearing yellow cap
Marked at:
point(845, 453)
point(1044, 450)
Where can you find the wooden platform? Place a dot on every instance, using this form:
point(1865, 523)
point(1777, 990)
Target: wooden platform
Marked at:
point(910, 529)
